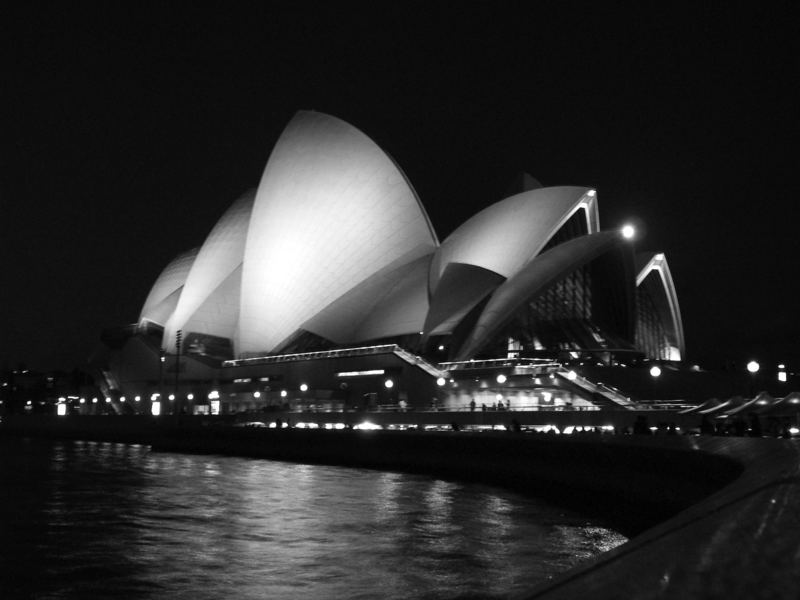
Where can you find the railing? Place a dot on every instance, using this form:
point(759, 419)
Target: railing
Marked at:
point(493, 363)
point(420, 362)
point(607, 392)
point(280, 358)
point(405, 355)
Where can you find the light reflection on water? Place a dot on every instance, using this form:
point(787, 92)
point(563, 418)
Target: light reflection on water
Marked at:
point(83, 519)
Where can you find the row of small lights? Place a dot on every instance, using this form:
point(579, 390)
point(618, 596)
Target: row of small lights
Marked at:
point(213, 395)
point(655, 371)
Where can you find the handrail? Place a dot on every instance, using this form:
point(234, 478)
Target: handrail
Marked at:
point(607, 392)
point(405, 355)
point(340, 353)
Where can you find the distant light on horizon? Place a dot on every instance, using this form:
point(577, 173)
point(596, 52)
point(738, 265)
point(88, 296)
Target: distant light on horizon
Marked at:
point(753, 366)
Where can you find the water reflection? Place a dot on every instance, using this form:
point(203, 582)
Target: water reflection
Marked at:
point(97, 520)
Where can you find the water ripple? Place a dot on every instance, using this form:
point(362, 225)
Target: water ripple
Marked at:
point(94, 520)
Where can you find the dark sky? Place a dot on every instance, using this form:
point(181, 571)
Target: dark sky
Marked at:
point(126, 133)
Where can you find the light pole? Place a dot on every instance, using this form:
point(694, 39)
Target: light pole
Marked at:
point(753, 368)
point(655, 373)
point(162, 358)
point(178, 341)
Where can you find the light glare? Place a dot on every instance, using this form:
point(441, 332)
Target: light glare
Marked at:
point(628, 231)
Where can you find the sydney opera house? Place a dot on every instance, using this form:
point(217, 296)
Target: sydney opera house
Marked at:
point(327, 287)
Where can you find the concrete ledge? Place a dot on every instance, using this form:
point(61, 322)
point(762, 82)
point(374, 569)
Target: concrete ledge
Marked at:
point(741, 542)
point(713, 517)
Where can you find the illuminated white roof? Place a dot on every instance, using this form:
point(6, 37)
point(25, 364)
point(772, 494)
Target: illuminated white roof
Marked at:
point(164, 294)
point(658, 263)
point(331, 210)
point(506, 235)
point(460, 289)
point(221, 254)
point(218, 314)
point(540, 273)
point(390, 303)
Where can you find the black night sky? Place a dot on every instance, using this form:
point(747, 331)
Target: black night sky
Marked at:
point(127, 132)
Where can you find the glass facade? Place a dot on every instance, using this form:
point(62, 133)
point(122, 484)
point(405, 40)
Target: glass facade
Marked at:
point(651, 334)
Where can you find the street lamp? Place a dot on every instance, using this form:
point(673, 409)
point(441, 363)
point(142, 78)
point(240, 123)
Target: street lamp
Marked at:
point(655, 373)
point(753, 368)
point(628, 231)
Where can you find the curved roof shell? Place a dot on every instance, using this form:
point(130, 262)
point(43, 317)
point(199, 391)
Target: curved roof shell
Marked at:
point(667, 299)
point(392, 302)
point(506, 235)
point(537, 276)
point(220, 256)
point(495, 244)
point(164, 295)
point(461, 288)
point(332, 209)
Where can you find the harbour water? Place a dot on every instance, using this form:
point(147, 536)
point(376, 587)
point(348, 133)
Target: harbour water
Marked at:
point(102, 520)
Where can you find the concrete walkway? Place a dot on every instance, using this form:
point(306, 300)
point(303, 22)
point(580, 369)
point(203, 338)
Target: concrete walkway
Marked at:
point(741, 542)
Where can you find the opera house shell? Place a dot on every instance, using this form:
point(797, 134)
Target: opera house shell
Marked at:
point(333, 253)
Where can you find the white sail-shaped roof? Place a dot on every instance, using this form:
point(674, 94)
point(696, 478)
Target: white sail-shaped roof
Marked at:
point(495, 244)
point(506, 235)
point(390, 303)
point(540, 273)
point(657, 263)
point(331, 210)
point(164, 294)
point(221, 254)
